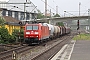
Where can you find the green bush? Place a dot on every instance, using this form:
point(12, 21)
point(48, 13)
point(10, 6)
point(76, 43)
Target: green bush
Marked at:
point(5, 37)
point(1, 41)
point(11, 39)
point(18, 34)
point(4, 34)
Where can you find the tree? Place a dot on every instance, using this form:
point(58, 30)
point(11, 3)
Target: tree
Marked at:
point(40, 15)
point(4, 35)
point(60, 24)
point(1, 21)
point(57, 15)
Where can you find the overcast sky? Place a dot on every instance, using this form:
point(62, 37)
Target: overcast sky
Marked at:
point(4, 0)
point(71, 6)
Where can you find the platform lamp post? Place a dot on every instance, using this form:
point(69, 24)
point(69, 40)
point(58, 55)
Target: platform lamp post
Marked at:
point(79, 8)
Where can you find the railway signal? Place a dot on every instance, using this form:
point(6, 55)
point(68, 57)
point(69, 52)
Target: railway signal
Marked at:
point(78, 25)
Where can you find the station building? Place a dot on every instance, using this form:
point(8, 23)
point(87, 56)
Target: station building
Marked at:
point(12, 18)
point(12, 13)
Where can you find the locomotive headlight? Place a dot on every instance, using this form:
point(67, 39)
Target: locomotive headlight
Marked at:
point(27, 32)
point(36, 32)
point(26, 36)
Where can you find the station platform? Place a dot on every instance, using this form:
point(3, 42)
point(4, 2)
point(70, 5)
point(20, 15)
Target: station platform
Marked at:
point(76, 50)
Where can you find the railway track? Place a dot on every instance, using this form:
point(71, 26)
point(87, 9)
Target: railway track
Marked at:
point(8, 54)
point(5, 47)
point(49, 53)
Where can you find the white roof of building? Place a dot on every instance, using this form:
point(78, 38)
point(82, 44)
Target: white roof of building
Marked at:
point(19, 7)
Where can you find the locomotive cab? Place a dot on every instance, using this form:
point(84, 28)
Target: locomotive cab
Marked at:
point(32, 33)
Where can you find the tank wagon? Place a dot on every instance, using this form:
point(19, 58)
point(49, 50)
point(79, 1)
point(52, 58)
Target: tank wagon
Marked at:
point(36, 33)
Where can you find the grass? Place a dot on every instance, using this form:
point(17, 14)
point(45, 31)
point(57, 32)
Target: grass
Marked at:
point(82, 37)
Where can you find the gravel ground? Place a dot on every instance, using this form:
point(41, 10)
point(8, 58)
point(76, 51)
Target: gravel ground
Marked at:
point(38, 50)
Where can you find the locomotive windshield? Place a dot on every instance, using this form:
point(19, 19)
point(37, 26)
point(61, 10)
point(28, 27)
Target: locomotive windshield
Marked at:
point(35, 27)
point(32, 27)
point(29, 28)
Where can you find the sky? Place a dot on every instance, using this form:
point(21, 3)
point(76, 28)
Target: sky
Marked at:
point(70, 6)
point(4, 0)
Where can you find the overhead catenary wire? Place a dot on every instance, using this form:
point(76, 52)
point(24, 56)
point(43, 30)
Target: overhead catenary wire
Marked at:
point(58, 6)
point(50, 6)
point(82, 5)
point(18, 5)
point(34, 5)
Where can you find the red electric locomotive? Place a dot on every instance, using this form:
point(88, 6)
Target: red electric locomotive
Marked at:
point(35, 33)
